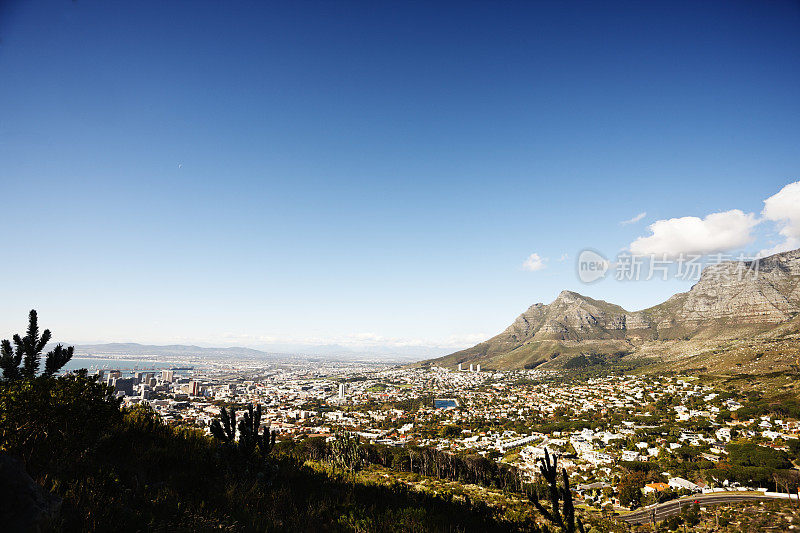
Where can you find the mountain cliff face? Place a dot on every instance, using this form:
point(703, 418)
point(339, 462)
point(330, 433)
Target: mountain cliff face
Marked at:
point(731, 301)
point(765, 291)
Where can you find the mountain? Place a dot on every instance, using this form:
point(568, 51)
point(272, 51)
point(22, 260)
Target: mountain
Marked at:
point(279, 351)
point(175, 350)
point(736, 313)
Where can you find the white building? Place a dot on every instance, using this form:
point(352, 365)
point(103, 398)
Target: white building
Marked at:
point(630, 455)
point(678, 483)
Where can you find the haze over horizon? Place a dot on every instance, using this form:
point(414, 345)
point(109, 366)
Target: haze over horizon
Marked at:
point(406, 177)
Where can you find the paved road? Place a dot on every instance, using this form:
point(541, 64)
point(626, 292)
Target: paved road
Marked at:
point(645, 516)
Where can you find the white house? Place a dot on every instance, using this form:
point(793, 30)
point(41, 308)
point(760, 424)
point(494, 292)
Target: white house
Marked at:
point(678, 483)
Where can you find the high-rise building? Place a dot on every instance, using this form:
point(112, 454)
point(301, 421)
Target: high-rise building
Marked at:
point(460, 367)
point(122, 385)
point(194, 388)
point(167, 376)
point(341, 391)
point(471, 367)
point(478, 368)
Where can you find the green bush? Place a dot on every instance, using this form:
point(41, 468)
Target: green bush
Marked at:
point(43, 420)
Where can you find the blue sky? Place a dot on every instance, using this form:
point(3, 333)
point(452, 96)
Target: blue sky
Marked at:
point(374, 173)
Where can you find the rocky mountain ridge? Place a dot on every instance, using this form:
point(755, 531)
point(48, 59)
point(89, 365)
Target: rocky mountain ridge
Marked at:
point(731, 301)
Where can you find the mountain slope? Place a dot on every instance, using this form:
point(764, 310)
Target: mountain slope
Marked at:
point(175, 350)
point(751, 301)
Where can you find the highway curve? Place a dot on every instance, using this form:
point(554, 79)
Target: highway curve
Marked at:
point(673, 507)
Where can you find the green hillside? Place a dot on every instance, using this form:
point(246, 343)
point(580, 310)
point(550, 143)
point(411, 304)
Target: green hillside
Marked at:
point(72, 460)
point(128, 470)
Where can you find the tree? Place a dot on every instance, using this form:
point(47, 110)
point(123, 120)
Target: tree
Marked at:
point(691, 514)
point(9, 361)
point(346, 452)
point(249, 437)
point(450, 431)
point(561, 516)
point(250, 440)
point(226, 430)
point(789, 480)
point(672, 523)
point(57, 358)
point(27, 352)
point(630, 488)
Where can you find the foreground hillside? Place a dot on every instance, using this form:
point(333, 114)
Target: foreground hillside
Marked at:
point(104, 467)
point(738, 313)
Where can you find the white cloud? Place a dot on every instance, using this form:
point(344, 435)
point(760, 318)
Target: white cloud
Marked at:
point(785, 246)
point(784, 209)
point(534, 263)
point(635, 219)
point(717, 232)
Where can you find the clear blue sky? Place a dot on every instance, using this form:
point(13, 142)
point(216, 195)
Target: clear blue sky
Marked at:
point(369, 172)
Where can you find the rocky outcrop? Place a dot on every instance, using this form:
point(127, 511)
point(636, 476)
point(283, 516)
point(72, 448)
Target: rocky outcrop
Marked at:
point(764, 292)
point(729, 298)
point(26, 505)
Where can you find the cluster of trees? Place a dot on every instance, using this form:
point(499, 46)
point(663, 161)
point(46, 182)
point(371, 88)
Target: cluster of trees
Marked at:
point(420, 460)
point(409, 405)
point(583, 361)
point(751, 464)
point(794, 450)
point(552, 487)
point(748, 454)
point(784, 405)
point(600, 364)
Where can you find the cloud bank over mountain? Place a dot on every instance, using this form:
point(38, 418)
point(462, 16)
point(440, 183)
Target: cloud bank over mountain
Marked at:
point(724, 231)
